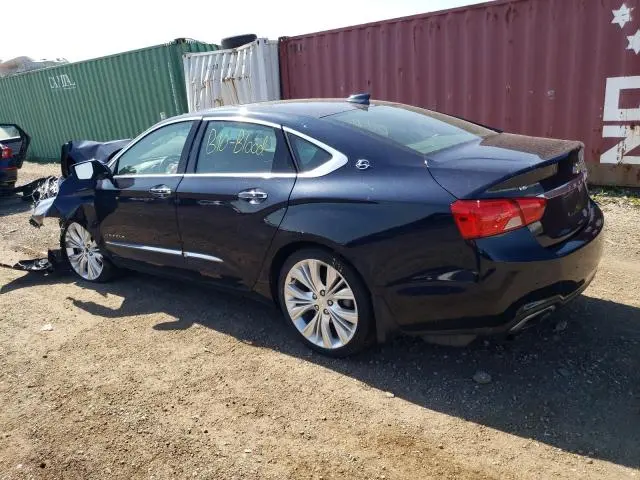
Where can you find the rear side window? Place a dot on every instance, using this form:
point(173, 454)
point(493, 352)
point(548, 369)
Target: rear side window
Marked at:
point(308, 155)
point(239, 147)
point(420, 130)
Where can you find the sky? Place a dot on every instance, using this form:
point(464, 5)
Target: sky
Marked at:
point(82, 29)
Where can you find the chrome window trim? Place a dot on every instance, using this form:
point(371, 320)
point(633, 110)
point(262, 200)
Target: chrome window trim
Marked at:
point(337, 160)
point(148, 131)
point(202, 256)
point(265, 175)
point(148, 175)
point(241, 119)
point(167, 251)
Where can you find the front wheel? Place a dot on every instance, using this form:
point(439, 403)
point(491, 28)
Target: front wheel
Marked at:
point(83, 254)
point(326, 302)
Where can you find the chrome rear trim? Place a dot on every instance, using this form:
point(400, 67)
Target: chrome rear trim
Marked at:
point(567, 187)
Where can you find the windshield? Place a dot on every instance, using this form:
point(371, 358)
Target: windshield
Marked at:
point(420, 130)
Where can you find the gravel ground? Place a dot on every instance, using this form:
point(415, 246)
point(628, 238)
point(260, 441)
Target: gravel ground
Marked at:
point(149, 378)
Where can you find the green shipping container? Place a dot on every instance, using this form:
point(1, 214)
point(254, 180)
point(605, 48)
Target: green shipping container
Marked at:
point(102, 99)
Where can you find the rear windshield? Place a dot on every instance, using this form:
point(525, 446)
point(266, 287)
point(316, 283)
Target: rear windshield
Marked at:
point(420, 130)
point(7, 132)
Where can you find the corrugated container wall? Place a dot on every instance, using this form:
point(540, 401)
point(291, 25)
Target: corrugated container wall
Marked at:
point(557, 68)
point(100, 99)
point(246, 74)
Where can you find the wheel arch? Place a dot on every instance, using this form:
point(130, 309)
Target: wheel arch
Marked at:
point(84, 212)
point(285, 251)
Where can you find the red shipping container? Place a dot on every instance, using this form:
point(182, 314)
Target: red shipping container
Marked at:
point(554, 68)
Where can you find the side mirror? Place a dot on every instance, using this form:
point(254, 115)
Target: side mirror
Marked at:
point(91, 170)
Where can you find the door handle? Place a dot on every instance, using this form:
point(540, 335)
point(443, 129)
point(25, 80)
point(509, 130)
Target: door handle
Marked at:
point(160, 191)
point(253, 195)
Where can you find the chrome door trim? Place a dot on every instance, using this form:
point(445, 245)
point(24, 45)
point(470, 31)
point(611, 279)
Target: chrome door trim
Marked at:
point(167, 251)
point(160, 191)
point(146, 248)
point(202, 256)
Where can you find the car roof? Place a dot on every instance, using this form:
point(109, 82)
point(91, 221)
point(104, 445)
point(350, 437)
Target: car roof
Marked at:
point(312, 107)
point(284, 112)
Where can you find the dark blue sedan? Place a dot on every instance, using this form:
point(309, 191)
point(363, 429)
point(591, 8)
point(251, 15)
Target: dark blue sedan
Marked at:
point(359, 219)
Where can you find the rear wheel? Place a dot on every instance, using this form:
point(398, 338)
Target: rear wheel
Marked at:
point(326, 302)
point(83, 254)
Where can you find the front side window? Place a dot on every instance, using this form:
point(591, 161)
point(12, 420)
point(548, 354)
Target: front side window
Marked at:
point(240, 148)
point(157, 153)
point(420, 130)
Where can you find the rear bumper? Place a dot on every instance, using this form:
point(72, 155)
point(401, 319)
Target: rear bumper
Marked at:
point(516, 281)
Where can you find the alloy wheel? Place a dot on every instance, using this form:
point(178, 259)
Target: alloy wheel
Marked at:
point(83, 252)
point(321, 304)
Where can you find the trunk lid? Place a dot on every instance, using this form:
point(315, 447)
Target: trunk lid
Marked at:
point(507, 166)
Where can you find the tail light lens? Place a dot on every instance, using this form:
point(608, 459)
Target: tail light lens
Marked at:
point(485, 218)
point(6, 152)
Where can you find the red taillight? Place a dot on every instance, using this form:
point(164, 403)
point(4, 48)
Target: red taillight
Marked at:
point(484, 218)
point(6, 152)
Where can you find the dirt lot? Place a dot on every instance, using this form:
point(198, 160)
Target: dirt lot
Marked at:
point(149, 378)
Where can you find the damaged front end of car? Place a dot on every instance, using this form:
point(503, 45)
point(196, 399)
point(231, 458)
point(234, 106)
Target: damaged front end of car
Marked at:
point(71, 194)
point(59, 201)
point(62, 197)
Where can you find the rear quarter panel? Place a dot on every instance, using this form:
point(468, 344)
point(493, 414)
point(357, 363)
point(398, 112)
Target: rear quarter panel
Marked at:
point(392, 222)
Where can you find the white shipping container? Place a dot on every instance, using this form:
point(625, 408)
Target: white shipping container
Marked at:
point(246, 74)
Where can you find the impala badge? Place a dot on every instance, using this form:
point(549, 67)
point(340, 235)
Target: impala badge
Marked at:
point(362, 164)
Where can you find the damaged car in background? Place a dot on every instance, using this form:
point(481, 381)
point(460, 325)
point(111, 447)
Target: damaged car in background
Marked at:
point(357, 218)
point(14, 144)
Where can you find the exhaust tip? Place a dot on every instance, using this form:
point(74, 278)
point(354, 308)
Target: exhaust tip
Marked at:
point(537, 316)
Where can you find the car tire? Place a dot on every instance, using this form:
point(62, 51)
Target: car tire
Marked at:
point(237, 41)
point(330, 309)
point(82, 254)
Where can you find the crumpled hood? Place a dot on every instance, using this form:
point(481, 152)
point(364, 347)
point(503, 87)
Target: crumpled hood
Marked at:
point(78, 151)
